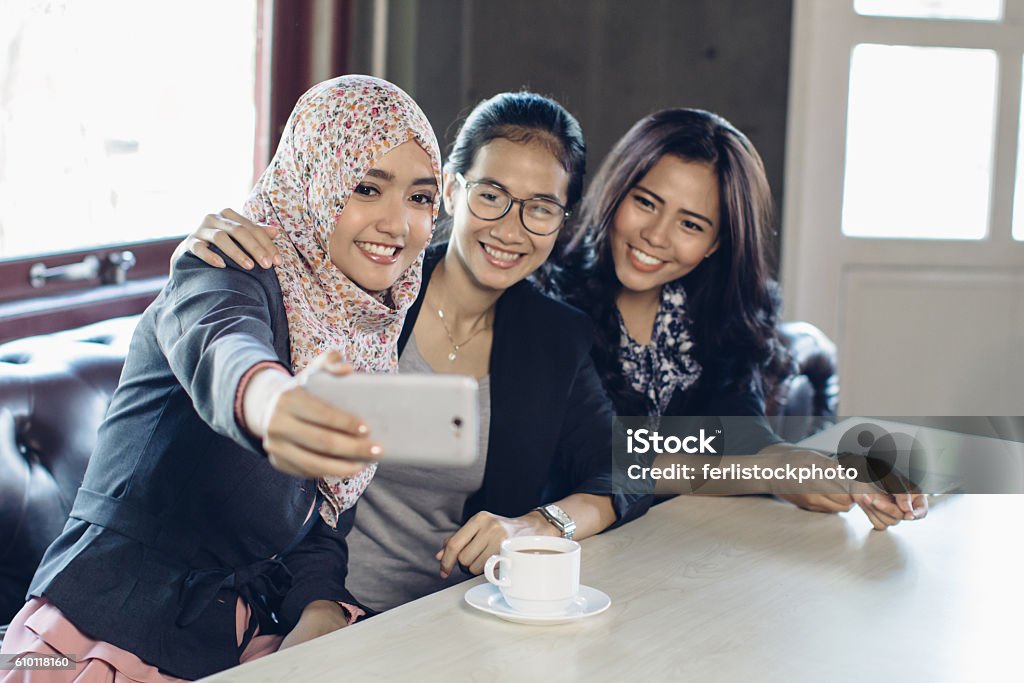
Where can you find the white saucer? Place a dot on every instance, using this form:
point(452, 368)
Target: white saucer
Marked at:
point(487, 598)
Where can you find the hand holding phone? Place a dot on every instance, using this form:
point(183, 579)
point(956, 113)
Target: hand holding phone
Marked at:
point(418, 419)
point(302, 434)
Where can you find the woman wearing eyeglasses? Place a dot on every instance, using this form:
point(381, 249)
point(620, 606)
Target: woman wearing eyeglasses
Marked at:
point(514, 172)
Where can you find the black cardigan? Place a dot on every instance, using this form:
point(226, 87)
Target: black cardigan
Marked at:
point(730, 395)
point(551, 421)
point(180, 511)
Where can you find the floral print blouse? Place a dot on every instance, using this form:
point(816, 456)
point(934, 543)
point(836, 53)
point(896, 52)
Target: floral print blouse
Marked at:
point(658, 369)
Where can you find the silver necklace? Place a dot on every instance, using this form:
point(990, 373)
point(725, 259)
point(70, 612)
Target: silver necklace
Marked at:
point(454, 353)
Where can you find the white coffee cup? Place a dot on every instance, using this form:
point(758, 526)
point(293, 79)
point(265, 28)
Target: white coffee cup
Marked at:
point(539, 574)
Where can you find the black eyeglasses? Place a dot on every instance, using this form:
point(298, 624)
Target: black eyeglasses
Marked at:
point(489, 203)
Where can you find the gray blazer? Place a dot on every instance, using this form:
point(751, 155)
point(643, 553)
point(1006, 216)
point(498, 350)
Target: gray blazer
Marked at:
point(180, 512)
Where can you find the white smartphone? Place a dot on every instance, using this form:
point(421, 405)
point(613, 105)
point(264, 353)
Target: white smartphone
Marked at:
point(418, 419)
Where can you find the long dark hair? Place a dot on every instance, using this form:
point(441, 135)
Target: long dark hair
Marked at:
point(732, 302)
point(521, 117)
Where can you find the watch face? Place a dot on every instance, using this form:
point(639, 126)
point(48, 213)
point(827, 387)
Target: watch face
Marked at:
point(558, 514)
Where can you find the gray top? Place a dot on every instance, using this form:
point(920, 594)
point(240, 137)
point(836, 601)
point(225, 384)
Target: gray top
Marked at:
point(406, 514)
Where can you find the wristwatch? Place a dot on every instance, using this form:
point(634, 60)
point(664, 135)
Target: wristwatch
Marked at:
point(559, 519)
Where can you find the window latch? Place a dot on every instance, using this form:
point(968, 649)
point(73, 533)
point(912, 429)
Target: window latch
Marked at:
point(111, 269)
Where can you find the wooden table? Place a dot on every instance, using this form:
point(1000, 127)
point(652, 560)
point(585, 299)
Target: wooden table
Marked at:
point(746, 589)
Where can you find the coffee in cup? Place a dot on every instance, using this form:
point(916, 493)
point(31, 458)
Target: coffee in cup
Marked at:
point(539, 551)
point(539, 574)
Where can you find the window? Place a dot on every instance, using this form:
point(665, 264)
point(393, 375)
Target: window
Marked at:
point(920, 129)
point(123, 121)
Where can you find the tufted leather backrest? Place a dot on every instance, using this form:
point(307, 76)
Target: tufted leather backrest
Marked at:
point(54, 391)
point(808, 398)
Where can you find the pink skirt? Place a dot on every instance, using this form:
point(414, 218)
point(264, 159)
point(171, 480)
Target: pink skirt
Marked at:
point(41, 629)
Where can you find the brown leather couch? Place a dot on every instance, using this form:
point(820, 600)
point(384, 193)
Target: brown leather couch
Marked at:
point(54, 391)
point(806, 399)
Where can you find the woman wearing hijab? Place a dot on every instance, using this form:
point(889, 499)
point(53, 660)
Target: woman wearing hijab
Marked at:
point(211, 524)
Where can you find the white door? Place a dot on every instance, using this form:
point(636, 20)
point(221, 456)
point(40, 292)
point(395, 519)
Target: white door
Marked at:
point(904, 206)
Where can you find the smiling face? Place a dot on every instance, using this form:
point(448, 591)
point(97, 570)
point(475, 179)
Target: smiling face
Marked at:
point(498, 254)
point(387, 220)
point(666, 225)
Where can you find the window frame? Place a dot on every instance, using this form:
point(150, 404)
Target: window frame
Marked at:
point(296, 46)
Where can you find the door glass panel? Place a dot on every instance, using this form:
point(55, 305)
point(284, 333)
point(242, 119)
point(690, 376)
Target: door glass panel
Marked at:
point(920, 128)
point(983, 10)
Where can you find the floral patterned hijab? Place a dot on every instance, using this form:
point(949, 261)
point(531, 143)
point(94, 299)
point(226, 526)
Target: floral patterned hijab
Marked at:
point(338, 130)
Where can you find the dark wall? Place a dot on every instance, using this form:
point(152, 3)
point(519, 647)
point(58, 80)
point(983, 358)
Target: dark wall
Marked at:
point(608, 61)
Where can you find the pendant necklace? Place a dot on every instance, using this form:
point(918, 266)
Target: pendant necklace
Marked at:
point(453, 354)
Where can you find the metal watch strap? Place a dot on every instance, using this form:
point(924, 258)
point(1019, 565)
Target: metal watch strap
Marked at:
point(567, 530)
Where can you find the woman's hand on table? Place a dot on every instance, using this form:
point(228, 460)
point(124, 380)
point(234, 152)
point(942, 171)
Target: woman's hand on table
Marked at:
point(318, 619)
point(881, 508)
point(481, 537)
point(302, 434)
point(887, 509)
point(236, 236)
point(836, 494)
point(914, 505)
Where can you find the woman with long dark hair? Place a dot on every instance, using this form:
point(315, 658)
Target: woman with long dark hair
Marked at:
point(670, 259)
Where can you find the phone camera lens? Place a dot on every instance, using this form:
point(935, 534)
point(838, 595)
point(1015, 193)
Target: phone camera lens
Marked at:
point(457, 422)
